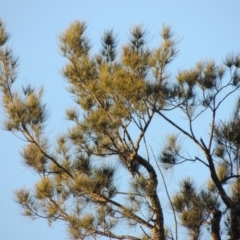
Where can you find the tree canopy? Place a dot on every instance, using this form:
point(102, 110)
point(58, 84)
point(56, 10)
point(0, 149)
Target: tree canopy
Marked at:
point(95, 176)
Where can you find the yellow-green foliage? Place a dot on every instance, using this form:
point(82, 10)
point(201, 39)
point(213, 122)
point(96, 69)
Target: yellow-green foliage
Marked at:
point(193, 206)
point(44, 188)
point(33, 157)
point(74, 43)
point(219, 151)
point(210, 185)
point(223, 170)
point(189, 77)
point(77, 223)
point(22, 196)
point(235, 189)
point(117, 93)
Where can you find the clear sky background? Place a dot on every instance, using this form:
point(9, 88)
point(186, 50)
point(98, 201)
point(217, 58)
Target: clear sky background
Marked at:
point(207, 29)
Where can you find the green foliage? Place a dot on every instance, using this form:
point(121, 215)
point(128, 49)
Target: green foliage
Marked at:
point(44, 189)
point(194, 207)
point(109, 44)
point(171, 151)
point(34, 158)
point(93, 176)
point(73, 42)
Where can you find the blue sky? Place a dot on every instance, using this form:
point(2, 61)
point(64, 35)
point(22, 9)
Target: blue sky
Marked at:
point(207, 29)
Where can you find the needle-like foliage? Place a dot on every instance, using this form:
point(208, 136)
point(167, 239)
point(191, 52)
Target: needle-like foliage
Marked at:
point(95, 176)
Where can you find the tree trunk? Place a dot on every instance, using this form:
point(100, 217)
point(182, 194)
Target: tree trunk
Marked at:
point(235, 223)
point(215, 224)
point(158, 230)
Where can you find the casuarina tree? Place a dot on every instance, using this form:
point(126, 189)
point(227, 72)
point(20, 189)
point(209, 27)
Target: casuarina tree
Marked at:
point(101, 176)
